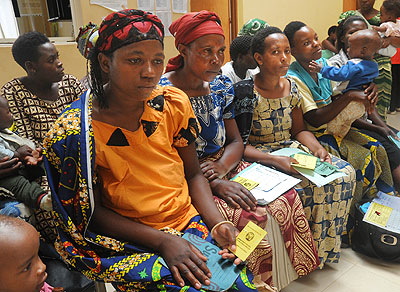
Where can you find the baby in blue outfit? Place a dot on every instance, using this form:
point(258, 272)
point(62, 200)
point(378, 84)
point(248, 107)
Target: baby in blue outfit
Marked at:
point(359, 71)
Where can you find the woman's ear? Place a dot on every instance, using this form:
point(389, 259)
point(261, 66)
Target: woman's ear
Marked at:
point(30, 67)
point(182, 49)
point(258, 58)
point(104, 62)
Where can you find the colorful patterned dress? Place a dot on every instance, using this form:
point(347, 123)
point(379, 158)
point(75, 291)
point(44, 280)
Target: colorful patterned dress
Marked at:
point(266, 124)
point(33, 116)
point(287, 211)
point(384, 80)
point(70, 164)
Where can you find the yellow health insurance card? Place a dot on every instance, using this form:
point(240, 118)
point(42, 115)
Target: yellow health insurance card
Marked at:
point(305, 161)
point(248, 239)
point(247, 183)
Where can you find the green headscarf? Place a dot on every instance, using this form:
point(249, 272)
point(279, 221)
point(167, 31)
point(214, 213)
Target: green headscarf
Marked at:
point(252, 26)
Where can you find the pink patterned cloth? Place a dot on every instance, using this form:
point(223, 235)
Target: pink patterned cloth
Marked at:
point(46, 288)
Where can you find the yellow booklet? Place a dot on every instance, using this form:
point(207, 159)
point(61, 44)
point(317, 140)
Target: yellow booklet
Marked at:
point(247, 183)
point(378, 214)
point(248, 239)
point(305, 161)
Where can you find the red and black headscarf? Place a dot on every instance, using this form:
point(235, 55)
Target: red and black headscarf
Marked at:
point(128, 26)
point(190, 27)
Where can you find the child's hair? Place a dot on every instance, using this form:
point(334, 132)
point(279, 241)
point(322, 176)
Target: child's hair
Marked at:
point(392, 7)
point(240, 46)
point(343, 27)
point(25, 47)
point(258, 42)
point(291, 29)
point(7, 222)
point(332, 29)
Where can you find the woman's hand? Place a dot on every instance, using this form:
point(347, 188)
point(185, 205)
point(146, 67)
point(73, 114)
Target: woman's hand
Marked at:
point(212, 170)
point(225, 235)
point(323, 155)
point(372, 93)
point(236, 195)
point(284, 163)
point(9, 167)
point(185, 260)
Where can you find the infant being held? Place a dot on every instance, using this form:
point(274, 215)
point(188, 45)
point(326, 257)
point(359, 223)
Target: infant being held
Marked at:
point(360, 70)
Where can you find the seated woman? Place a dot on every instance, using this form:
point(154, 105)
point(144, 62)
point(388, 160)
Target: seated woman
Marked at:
point(378, 129)
point(200, 41)
point(37, 99)
point(269, 118)
point(124, 173)
point(364, 153)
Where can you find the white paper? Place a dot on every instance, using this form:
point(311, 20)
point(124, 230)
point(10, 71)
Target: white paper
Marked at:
point(166, 19)
point(317, 179)
point(393, 202)
point(272, 183)
point(146, 5)
point(388, 200)
point(163, 5)
point(179, 6)
point(114, 5)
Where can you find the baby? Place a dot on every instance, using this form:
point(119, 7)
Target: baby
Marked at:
point(390, 11)
point(359, 71)
point(21, 184)
point(21, 268)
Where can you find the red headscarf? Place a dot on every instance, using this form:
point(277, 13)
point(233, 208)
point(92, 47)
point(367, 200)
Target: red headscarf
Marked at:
point(190, 27)
point(128, 26)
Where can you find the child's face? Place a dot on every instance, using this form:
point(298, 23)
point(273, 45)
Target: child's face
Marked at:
point(6, 118)
point(24, 270)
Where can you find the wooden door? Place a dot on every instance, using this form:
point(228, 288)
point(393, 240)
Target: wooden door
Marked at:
point(350, 5)
point(226, 10)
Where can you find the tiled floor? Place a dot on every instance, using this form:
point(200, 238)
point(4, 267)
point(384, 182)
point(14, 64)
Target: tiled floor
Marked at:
point(354, 272)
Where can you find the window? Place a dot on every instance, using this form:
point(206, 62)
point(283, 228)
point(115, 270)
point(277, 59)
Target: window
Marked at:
point(53, 18)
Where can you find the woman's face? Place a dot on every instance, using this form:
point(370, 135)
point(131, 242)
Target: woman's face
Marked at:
point(306, 45)
point(352, 28)
point(276, 57)
point(135, 69)
point(48, 67)
point(366, 4)
point(205, 56)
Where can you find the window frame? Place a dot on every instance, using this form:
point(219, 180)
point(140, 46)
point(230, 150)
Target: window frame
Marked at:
point(76, 24)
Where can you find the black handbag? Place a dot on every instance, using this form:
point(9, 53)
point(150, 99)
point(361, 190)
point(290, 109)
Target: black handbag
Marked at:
point(374, 241)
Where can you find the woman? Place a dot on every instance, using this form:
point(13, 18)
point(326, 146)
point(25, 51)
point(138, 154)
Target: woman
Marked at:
point(377, 129)
point(384, 80)
point(270, 118)
point(364, 153)
point(37, 99)
point(200, 41)
point(124, 172)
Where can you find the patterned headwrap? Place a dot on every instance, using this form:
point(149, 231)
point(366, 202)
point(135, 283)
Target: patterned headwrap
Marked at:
point(252, 26)
point(128, 26)
point(87, 38)
point(190, 27)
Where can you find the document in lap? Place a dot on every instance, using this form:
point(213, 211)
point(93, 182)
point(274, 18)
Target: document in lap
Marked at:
point(223, 271)
point(266, 184)
point(323, 173)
